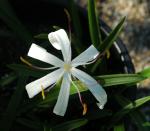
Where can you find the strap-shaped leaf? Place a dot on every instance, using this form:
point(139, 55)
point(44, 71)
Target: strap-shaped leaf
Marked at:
point(27, 71)
point(104, 80)
point(139, 119)
point(75, 18)
point(109, 40)
point(146, 124)
point(42, 36)
point(77, 27)
point(33, 124)
point(70, 125)
point(145, 72)
point(119, 127)
point(119, 79)
point(93, 24)
point(7, 79)
point(131, 106)
point(8, 16)
point(11, 111)
point(136, 115)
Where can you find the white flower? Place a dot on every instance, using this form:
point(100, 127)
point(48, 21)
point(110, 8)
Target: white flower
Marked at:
point(66, 70)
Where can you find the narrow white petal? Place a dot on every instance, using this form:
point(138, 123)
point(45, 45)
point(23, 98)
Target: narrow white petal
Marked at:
point(88, 55)
point(34, 87)
point(95, 88)
point(62, 101)
point(41, 54)
point(60, 41)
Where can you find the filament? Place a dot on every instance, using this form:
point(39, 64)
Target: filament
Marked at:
point(42, 93)
point(69, 21)
point(84, 105)
point(35, 67)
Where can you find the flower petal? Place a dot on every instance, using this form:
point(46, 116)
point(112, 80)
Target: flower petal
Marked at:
point(62, 101)
point(41, 54)
point(88, 55)
point(60, 41)
point(92, 85)
point(34, 87)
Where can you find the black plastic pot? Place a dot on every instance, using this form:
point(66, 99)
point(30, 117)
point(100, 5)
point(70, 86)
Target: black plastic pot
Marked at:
point(39, 16)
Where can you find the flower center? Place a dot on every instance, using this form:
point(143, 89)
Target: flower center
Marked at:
point(67, 67)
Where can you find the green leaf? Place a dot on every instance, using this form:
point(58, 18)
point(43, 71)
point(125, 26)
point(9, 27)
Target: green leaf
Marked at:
point(47, 128)
point(8, 79)
point(70, 125)
point(76, 43)
point(33, 124)
point(119, 127)
point(131, 106)
point(77, 26)
point(139, 120)
point(137, 116)
point(27, 71)
point(105, 81)
point(51, 97)
point(8, 16)
point(11, 111)
point(107, 43)
point(53, 94)
point(42, 36)
point(56, 27)
point(93, 24)
point(118, 79)
point(98, 114)
point(75, 18)
point(145, 72)
point(146, 124)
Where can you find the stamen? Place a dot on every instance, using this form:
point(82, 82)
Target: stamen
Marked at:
point(79, 94)
point(108, 54)
point(69, 21)
point(84, 109)
point(43, 94)
point(84, 105)
point(48, 89)
point(90, 62)
point(35, 67)
point(56, 27)
point(25, 61)
point(99, 56)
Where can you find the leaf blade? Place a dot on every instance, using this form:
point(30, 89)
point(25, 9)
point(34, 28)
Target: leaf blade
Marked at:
point(119, 127)
point(93, 24)
point(107, 43)
point(11, 111)
point(70, 125)
point(145, 72)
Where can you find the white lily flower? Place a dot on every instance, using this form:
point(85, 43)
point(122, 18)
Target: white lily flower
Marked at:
point(66, 69)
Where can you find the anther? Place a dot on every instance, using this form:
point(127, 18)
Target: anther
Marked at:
point(25, 61)
point(84, 109)
point(43, 94)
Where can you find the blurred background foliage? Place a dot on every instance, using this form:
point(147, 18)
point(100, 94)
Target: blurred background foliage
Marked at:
point(17, 32)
